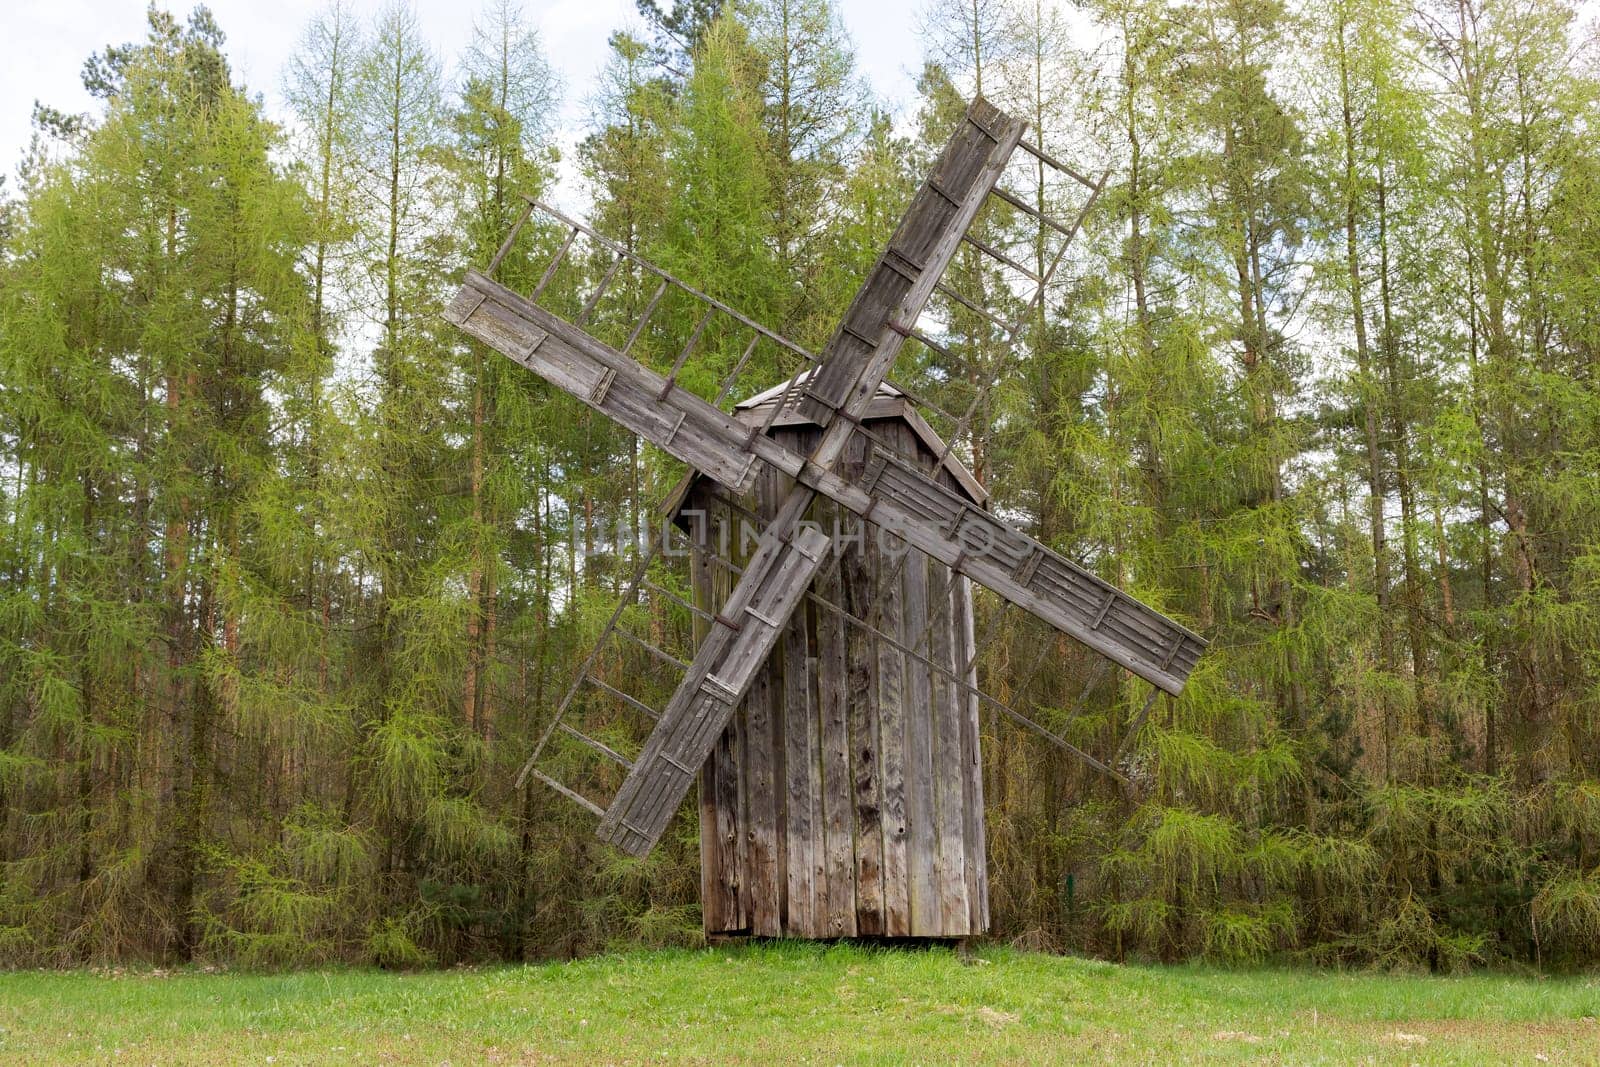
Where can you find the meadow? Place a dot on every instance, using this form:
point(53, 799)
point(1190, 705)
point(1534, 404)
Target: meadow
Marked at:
point(797, 1003)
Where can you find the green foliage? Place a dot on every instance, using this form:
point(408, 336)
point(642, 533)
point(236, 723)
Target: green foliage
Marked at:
point(292, 574)
point(1566, 912)
point(392, 943)
point(762, 1003)
point(1236, 936)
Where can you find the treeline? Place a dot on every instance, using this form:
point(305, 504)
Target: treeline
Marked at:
point(292, 574)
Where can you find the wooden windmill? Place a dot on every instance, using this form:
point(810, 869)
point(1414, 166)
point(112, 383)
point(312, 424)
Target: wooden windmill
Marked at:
point(830, 706)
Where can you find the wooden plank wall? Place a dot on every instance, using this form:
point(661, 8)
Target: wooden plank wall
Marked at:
point(858, 809)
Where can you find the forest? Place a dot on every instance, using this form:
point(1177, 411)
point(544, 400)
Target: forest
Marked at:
point(292, 573)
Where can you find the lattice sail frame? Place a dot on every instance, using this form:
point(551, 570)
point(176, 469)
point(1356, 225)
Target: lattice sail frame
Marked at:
point(888, 310)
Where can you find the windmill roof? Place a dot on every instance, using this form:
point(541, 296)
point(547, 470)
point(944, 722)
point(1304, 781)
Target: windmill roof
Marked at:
point(889, 402)
point(767, 396)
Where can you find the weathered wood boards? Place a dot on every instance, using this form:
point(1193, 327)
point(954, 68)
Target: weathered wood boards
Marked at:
point(742, 636)
point(852, 369)
point(861, 354)
point(867, 842)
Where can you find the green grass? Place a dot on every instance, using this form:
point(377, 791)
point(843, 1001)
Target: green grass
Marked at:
point(797, 1003)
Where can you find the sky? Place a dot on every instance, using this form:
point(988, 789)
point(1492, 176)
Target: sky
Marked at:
point(47, 42)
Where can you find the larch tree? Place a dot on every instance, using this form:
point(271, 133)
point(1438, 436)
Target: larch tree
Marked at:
point(812, 107)
point(404, 483)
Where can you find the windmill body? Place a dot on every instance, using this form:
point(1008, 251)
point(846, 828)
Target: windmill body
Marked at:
point(845, 798)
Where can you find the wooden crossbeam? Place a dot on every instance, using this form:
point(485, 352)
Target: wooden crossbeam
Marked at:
point(555, 264)
point(511, 239)
point(1000, 257)
point(738, 368)
point(1136, 725)
point(599, 290)
point(973, 306)
point(569, 793)
point(683, 356)
point(644, 318)
point(627, 698)
point(1027, 209)
point(1051, 161)
point(599, 746)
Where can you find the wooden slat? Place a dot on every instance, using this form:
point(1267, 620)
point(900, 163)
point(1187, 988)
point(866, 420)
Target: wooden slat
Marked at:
point(892, 690)
point(949, 800)
point(598, 745)
point(972, 763)
point(555, 264)
point(713, 907)
point(644, 318)
point(737, 735)
point(632, 701)
point(1051, 161)
point(921, 845)
point(511, 239)
point(719, 862)
point(802, 774)
point(660, 654)
point(570, 794)
point(1000, 257)
point(1022, 206)
point(721, 773)
point(859, 574)
point(838, 794)
point(599, 289)
point(972, 305)
point(763, 797)
point(1136, 725)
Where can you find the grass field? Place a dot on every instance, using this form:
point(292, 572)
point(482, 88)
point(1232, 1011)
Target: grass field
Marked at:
point(797, 1003)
